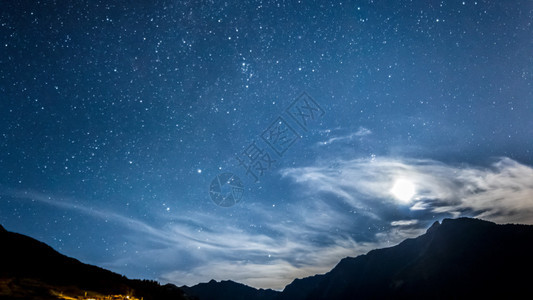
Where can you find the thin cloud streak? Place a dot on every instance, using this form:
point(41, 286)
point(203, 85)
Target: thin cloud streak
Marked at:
point(404, 223)
point(362, 131)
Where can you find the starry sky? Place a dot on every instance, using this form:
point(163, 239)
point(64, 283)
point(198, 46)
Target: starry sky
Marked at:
point(350, 125)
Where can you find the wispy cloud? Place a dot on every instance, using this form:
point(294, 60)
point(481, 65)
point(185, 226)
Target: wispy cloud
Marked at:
point(362, 131)
point(102, 214)
point(311, 241)
point(342, 211)
point(502, 192)
point(404, 223)
point(274, 273)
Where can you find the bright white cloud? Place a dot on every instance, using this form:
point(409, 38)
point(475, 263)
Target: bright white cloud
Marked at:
point(502, 192)
point(404, 223)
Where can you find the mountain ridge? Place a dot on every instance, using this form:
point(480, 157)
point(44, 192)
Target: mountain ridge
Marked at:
point(427, 266)
point(454, 258)
point(228, 289)
point(420, 267)
point(30, 269)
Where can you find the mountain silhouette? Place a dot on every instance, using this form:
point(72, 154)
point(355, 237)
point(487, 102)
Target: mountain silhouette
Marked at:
point(458, 258)
point(30, 269)
point(229, 290)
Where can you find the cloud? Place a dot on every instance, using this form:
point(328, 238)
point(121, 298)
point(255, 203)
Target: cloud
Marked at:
point(334, 211)
point(501, 192)
point(73, 204)
point(196, 248)
point(275, 273)
point(362, 131)
point(404, 223)
point(293, 253)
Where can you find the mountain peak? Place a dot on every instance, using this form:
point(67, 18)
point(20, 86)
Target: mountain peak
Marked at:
point(455, 257)
point(433, 227)
point(466, 223)
point(458, 225)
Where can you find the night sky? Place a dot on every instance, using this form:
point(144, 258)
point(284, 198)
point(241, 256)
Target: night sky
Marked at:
point(343, 126)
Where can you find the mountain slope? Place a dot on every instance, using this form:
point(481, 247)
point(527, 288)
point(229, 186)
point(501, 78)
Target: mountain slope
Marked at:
point(229, 290)
point(30, 269)
point(458, 258)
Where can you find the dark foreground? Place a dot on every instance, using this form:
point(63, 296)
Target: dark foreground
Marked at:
point(460, 258)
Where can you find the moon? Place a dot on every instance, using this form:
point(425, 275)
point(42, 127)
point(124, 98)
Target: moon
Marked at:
point(403, 190)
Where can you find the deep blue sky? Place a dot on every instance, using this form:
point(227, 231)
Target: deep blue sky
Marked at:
point(115, 118)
